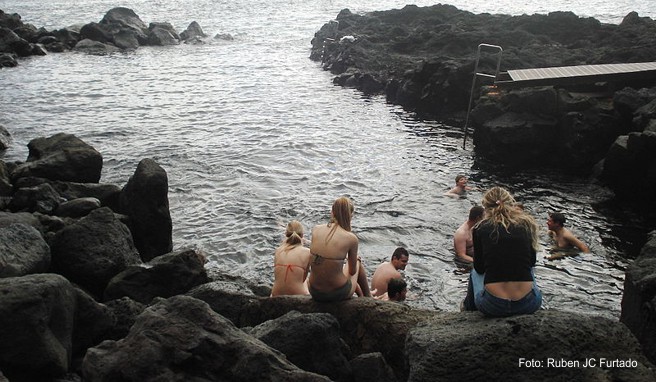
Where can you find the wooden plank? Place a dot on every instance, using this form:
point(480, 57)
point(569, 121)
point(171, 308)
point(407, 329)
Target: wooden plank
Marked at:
point(579, 71)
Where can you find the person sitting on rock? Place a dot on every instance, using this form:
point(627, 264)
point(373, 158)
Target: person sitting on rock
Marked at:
point(563, 238)
point(502, 282)
point(291, 264)
point(336, 270)
point(389, 270)
point(461, 187)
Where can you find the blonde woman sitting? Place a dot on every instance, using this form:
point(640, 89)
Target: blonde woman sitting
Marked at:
point(292, 261)
point(336, 272)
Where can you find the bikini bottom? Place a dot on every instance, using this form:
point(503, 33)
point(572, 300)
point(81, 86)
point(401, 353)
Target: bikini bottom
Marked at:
point(341, 293)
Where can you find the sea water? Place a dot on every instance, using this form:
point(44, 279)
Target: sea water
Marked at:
point(253, 134)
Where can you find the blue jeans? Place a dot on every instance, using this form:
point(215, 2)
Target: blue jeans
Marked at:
point(490, 305)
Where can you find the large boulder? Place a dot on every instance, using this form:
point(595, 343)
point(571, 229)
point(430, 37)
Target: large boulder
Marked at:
point(10, 42)
point(162, 34)
point(61, 157)
point(124, 19)
point(639, 298)
point(310, 341)
point(193, 30)
point(631, 157)
point(165, 276)
point(182, 339)
point(37, 317)
point(545, 346)
point(93, 250)
point(145, 200)
point(22, 251)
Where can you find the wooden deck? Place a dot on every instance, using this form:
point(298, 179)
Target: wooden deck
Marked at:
point(569, 75)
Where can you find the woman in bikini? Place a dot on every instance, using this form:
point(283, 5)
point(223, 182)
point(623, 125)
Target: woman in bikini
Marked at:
point(292, 261)
point(336, 271)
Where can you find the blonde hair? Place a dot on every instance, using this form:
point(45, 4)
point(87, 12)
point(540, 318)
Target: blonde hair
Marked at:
point(293, 234)
point(341, 214)
point(501, 210)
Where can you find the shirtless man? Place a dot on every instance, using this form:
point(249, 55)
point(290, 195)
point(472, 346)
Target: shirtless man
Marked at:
point(389, 270)
point(563, 237)
point(462, 239)
point(460, 188)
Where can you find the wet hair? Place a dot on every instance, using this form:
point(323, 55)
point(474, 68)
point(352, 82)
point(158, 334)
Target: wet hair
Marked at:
point(341, 214)
point(500, 211)
point(395, 286)
point(558, 218)
point(293, 234)
point(476, 212)
point(459, 176)
point(400, 252)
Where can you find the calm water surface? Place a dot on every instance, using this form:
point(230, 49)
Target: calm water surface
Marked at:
point(252, 134)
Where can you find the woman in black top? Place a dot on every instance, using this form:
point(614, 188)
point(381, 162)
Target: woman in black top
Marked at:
point(505, 245)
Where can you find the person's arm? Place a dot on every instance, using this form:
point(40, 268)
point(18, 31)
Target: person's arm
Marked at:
point(460, 245)
point(574, 241)
point(353, 256)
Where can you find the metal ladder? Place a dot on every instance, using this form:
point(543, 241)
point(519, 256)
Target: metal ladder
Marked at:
point(477, 74)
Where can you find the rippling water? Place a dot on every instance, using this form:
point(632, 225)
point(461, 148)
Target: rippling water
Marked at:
point(252, 134)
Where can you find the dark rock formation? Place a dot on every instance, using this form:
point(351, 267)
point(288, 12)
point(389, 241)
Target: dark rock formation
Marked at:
point(36, 324)
point(165, 276)
point(145, 200)
point(22, 251)
point(182, 339)
point(467, 347)
point(372, 367)
point(639, 298)
point(42, 198)
point(119, 30)
point(61, 157)
point(194, 30)
point(93, 250)
point(324, 355)
point(423, 57)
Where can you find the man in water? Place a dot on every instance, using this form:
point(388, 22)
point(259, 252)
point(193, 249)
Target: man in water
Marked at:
point(397, 289)
point(563, 237)
point(460, 188)
point(389, 270)
point(462, 238)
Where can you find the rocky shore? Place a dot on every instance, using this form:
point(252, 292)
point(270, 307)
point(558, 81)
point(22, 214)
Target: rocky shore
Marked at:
point(92, 290)
point(423, 58)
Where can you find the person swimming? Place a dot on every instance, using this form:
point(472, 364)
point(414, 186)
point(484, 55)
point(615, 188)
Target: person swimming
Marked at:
point(335, 270)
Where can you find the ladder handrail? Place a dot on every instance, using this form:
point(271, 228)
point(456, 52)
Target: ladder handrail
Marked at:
point(476, 75)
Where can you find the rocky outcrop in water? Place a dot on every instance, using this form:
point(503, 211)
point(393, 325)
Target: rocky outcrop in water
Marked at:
point(423, 59)
point(119, 30)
